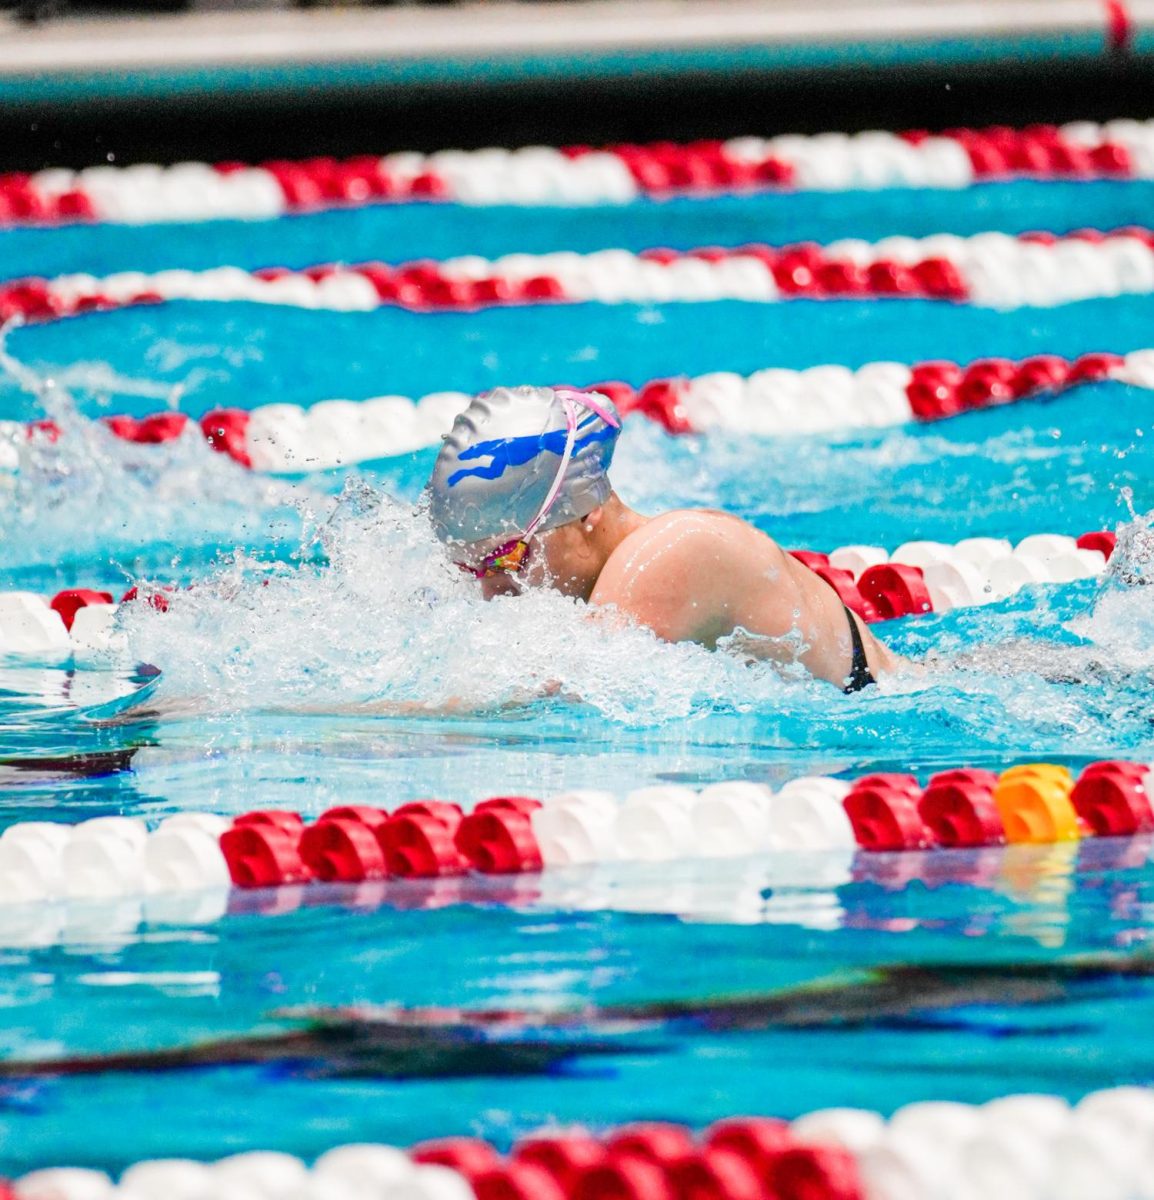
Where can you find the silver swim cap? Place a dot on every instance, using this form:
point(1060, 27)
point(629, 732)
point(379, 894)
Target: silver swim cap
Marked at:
point(502, 463)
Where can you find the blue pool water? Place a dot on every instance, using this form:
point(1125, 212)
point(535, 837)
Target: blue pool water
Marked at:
point(300, 627)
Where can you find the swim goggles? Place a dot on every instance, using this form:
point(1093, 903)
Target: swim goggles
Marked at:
point(513, 556)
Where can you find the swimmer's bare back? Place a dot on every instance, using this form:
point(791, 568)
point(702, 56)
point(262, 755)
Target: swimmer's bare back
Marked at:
point(701, 575)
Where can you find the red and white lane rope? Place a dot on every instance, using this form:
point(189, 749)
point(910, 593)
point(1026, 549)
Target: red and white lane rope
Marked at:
point(927, 576)
point(992, 270)
point(1032, 803)
point(1037, 803)
point(918, 577)
point(582, 175)
point(1032, 1145)
point(288, 438)
point(828, 398)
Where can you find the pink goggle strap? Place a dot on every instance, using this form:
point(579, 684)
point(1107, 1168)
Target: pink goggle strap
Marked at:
point(570, 400)
point(586, 400)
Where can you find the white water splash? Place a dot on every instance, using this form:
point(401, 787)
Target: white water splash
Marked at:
point(388, 623)
point(1121, 623)
point(1132, 563)
point(1094, 689)
point(87, 493)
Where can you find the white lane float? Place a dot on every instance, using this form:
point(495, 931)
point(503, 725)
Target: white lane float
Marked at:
point(286, 438)
point(990, 270)
point(917, 578)
point(1101, 1147)
point(580, 176)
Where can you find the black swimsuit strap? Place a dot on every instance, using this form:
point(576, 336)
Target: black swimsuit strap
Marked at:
point(860, 675)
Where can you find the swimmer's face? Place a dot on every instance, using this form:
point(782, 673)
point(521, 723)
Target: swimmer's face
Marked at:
point(557, 558)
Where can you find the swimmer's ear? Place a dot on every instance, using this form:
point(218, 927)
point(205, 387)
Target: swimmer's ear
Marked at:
point(592, 519)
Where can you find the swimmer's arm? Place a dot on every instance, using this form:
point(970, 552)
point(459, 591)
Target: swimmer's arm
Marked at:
point(451, 706)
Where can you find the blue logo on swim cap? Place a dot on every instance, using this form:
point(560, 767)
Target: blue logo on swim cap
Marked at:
point(517, 451)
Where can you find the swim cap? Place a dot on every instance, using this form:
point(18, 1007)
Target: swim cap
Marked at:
point(498, 464)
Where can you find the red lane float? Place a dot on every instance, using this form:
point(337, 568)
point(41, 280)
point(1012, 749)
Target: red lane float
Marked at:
point(991, 270)
point(1111, 799)
point(204, 854)
point(941, 389)
point(288, 438)
point(886, 812)
point(338, 850)
point(749, 1158)
point(421, 840)
point(828, 1154)
point(895, 590)
point(922, 577)
point(581, 175)
point(70, 601)
point(959, 810)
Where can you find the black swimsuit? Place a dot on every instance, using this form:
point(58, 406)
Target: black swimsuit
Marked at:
point(860, 675)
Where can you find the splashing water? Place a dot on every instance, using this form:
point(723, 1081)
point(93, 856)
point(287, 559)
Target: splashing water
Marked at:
point(383, 624)
point(1132, 563)
point(77, 491)
point(1121, 622)
point(387, 622)
point(363, 613)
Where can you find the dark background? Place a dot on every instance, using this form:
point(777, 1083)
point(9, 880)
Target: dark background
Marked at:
point(678, 105)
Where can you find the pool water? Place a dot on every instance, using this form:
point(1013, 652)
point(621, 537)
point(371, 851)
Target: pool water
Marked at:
point(320, 601)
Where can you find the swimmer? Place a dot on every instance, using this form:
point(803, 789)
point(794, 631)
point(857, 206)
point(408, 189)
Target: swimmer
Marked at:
point(521, 496)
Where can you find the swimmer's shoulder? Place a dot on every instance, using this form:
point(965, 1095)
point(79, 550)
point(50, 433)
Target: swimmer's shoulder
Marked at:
point(682, 531)
point(669, 575)
point(691, 524)
point(711, 535)
point(683, 543)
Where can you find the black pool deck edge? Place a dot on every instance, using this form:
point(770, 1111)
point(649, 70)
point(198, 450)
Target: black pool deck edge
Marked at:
point(751, 79)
